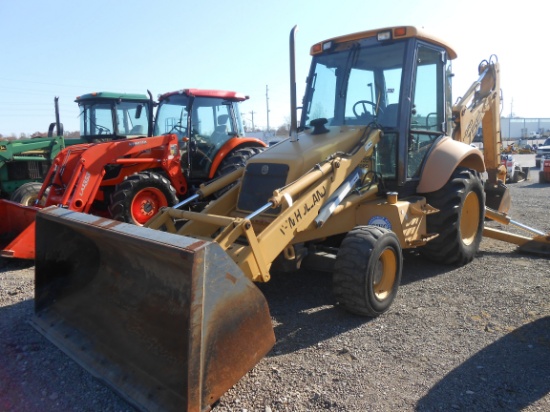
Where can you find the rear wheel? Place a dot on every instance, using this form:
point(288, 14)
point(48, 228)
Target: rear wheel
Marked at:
point(367, 271)
point(140, 196)
point(27, 193)
point(235, 160)
point(459, 222)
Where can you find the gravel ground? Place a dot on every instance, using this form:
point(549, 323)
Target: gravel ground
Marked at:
point(475, 338)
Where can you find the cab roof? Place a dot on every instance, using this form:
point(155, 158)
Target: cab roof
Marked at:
point(397, 32)
point(222, 94)
point(112, 96)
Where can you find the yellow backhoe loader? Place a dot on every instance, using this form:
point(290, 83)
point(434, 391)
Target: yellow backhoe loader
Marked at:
point(169, 316)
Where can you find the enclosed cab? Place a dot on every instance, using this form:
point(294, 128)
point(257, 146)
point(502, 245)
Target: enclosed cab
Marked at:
point(108, 116)
point(209, 128)
point(399, 79)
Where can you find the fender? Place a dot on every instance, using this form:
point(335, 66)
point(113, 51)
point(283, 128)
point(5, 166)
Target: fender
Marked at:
point(229, 146)
point(446, 156)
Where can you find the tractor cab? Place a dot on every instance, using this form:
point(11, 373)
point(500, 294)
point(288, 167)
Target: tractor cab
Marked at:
point(207, 122)
point(372, 79)
point(108, 116)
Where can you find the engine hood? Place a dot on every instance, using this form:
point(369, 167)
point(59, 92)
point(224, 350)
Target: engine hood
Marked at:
point(309, 149)
point(289, 160)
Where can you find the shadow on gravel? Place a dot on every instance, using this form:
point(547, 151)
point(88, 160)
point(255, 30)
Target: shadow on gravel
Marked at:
point(14, 264)
point(508, 375)
point(303, 308)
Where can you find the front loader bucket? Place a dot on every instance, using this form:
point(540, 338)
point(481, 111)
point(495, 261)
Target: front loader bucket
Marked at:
point(169, 322)
point(17, 229)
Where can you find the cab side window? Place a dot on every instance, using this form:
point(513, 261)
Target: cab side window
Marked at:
point(428, 118)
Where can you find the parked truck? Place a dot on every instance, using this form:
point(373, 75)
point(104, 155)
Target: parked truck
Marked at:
point(168, 314)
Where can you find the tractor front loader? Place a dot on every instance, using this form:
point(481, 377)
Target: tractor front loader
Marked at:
point(83, 177)
point(168, 314)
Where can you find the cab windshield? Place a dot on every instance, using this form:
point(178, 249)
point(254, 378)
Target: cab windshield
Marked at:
point(113, 118)
point(356, 85)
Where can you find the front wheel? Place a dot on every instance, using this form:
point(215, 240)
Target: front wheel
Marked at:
point(459, 222)
point(27, 194)
point(140, 196)
point(367, 271)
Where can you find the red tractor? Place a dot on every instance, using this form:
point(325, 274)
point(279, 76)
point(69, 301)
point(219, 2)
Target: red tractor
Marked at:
point(129, 176)
point(210, 130)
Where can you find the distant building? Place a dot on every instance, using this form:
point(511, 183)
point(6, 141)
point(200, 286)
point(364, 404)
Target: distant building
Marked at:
point(517, 128)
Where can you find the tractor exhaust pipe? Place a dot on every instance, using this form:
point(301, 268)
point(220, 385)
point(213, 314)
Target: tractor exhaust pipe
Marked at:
point(293, 104)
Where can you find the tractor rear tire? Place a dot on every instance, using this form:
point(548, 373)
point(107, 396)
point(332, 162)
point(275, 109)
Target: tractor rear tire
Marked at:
point(459, 222)
point(236, 159)
point(233, 161)
point(140, 196)
point(367, 271)
point(26, 194)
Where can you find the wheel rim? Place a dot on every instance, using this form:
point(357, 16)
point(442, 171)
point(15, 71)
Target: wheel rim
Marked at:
point(469, 219)
point(384, 275)
point(29, 200)
point(146, 204)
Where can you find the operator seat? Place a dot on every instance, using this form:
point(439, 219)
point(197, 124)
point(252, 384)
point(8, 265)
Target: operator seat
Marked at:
point(220, 132)
point(137, 130)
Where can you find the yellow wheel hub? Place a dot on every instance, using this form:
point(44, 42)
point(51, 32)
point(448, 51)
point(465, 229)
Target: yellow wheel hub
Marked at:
point(385, 271)
point(469, 219)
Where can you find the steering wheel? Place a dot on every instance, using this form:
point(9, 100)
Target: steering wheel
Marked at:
point(102, 129)
point(363, 104)
point(178, 128)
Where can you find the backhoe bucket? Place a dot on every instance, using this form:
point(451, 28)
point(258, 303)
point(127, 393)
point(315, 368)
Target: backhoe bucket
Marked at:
point(497, 196)
point(17, 230)
point(169, 322)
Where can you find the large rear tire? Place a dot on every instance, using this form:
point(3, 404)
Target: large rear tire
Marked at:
point(233, 161)
point(236, 159)
point(27, 193)
point(459, 222)
point(140, 196)
point(367, 271)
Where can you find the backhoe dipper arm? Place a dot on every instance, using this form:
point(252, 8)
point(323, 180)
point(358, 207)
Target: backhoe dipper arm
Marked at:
point(481, 106)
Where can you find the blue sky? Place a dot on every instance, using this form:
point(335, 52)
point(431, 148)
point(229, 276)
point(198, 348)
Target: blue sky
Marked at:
point(67, 48)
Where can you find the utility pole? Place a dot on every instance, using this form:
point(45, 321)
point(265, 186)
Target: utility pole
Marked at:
point(252, 114)
point(267, 106)
point(510, 119)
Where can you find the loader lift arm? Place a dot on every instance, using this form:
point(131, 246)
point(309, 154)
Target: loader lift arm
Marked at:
point(311, 191)
point(79, 192)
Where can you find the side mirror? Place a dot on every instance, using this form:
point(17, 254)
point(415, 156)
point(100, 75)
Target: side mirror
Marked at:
point(139, 109)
